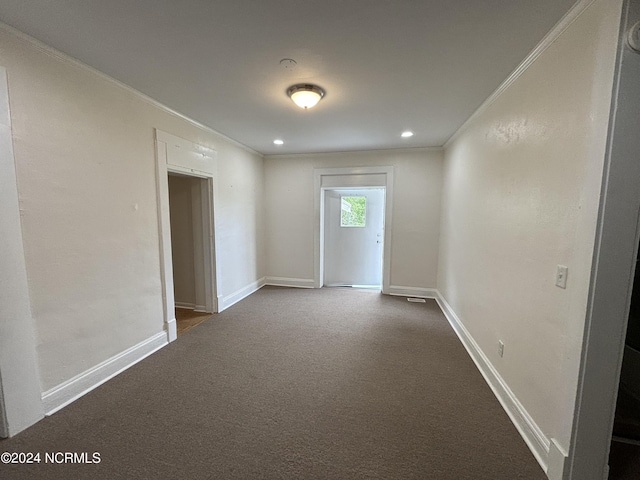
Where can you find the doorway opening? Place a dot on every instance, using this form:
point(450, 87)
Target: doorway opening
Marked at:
point(625, 447)
point(189, 220)
point(351, 182)
point(353, 237)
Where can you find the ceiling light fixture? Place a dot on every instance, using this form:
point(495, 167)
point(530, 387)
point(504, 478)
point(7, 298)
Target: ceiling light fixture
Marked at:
point(407, 134)
point(278, 142)
point(305, 95)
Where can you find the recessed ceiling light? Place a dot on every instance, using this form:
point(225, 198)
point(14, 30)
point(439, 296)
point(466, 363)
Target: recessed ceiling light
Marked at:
point(278, 142)
point(407, 134)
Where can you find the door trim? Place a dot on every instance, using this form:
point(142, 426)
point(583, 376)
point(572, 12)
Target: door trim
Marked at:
point(177, 155)
point(360, 177)
point(20, 390)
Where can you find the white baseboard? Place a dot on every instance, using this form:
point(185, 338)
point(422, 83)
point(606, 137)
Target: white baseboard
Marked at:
point(187, 306)
point(557, 462)
point(235, 297)
point(172, 330)
point(417, 292)
point(191, 306)
point(537, 441)
point(290, 282)
point(65, 393)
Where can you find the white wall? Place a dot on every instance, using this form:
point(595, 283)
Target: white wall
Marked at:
point(520, 196)
point(85, 161)
point(289, 207)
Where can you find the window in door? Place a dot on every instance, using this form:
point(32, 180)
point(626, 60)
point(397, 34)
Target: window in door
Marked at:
point(353, 211)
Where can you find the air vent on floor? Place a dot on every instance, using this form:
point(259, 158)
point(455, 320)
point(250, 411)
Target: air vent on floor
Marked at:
point(416, 300)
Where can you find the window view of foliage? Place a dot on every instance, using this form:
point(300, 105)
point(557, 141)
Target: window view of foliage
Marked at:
point(353, 211)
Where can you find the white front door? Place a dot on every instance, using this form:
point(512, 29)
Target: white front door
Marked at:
point(354, 235)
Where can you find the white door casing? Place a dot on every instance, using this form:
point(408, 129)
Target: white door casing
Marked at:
point(20, 390)
point(175, 154)
point(352, 177)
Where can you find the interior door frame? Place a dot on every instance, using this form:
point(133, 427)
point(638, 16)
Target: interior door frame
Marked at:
point(20, 389)
point(177, 155)
point(347, 177)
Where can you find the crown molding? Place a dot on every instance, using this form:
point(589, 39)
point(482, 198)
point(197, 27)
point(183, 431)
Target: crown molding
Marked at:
point(52, 52)
point(548, 40)
point(353, 152)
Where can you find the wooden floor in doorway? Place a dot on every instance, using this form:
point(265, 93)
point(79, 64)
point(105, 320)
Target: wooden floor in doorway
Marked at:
point(187, 319)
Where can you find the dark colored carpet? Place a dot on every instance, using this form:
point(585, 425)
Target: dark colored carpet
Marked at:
point(292, 384)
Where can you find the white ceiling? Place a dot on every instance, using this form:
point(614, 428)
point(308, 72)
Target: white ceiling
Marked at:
point(386, 65)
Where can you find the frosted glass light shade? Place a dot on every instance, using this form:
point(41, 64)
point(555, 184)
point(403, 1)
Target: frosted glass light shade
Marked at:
point(305, 99)
point(305, 95)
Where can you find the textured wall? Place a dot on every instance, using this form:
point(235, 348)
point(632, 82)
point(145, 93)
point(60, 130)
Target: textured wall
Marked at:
point(85, 161)
point(289, 204)
point(521, 193)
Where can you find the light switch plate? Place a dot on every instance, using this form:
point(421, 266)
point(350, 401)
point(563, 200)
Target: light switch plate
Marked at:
point(561, 276)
